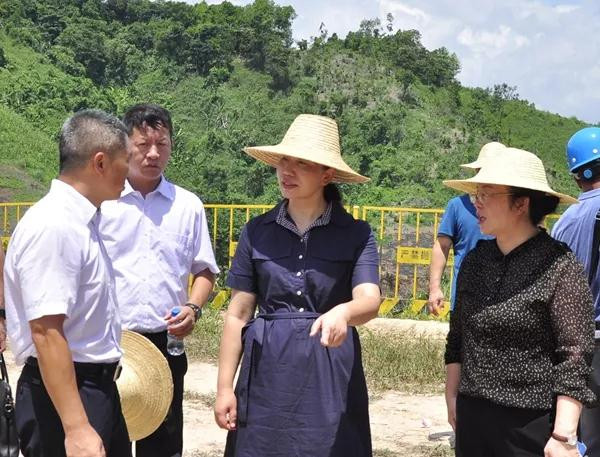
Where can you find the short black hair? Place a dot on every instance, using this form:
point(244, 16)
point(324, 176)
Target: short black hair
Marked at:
point(540, 204)
point(154, 116)
point(87, 132)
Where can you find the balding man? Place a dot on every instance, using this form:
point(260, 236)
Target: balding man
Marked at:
point(61, 309)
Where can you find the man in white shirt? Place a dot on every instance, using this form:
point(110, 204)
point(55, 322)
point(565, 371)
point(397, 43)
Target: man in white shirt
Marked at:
point(63, 319)
point(156, 235)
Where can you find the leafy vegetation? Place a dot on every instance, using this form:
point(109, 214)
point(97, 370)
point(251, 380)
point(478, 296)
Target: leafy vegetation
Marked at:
point(232, 76)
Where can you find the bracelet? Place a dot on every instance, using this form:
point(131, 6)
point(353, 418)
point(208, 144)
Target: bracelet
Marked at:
point(197, 310)
point(570, 440)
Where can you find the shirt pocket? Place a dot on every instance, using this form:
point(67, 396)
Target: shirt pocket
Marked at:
point(174, 251)
point(332, 263)
point(271, 254)
point(272, 265)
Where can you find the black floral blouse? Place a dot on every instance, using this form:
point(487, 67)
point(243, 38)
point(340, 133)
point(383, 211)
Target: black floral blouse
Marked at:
point(523, 326)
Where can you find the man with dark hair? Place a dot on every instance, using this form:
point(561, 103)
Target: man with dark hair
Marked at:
point(157, 235)
point(61, 305)
point(577, 227)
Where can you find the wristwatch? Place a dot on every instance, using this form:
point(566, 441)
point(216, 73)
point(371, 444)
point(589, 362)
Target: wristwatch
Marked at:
point(571, 440)
point(2, 313)
point(197, 310)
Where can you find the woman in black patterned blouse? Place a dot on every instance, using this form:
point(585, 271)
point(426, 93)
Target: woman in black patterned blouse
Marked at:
point(521, 336)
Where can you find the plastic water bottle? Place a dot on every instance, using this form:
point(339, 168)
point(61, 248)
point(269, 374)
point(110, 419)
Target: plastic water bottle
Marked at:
point(174, 344)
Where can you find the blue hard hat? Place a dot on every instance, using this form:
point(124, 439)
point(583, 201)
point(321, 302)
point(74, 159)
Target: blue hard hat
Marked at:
point(583, 147)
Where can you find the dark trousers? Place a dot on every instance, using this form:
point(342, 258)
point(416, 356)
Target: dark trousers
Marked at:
point(590, 417)
point(40, 430)
point(167, 440)
point(486, 429)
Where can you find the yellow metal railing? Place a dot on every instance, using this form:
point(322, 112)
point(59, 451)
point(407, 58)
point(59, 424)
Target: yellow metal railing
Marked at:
point(404, 235)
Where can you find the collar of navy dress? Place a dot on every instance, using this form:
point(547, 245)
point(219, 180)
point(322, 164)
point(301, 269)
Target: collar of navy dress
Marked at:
point(334, 213)
point(284, 219)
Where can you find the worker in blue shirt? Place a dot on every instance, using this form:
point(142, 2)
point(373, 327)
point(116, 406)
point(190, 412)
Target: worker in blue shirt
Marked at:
point(459, 231)
point(576, 228)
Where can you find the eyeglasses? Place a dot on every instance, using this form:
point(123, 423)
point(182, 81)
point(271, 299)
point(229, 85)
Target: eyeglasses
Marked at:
point(483, 197)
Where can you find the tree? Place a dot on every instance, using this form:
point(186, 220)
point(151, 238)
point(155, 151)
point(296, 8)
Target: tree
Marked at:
point(370, 27)
point(87, 41)
point(389, 22)
point(504, 92)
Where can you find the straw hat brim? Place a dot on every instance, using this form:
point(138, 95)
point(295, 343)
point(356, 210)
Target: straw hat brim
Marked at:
point(472, 165)
point(271, 155)
point(145, 385)
point(470, 186)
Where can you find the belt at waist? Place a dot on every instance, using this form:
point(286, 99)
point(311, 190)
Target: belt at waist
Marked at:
point(252, 339)
point(85, 370)
point(287, 315)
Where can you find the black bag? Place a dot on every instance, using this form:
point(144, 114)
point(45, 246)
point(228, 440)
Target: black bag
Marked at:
point(9, 440)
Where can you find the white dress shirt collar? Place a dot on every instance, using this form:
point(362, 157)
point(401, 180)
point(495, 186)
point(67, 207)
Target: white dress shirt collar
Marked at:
point(81, 207)
point(165, 188)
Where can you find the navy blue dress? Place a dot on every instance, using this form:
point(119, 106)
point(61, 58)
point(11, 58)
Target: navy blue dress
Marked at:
point(296, 397)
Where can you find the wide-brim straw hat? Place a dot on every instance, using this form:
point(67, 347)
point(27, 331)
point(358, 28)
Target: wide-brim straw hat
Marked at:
point(312, 138)
point(487, 150)
point(512, 167)
point(145, 385)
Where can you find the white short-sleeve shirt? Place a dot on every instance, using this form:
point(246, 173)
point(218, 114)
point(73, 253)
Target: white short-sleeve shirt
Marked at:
point(56, 264)
point(155, 243)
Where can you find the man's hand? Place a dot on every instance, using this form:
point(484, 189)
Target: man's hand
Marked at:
point(333, 326)
point(435, 303)
point(439, 257)
point(182, 324)
point(83, 441)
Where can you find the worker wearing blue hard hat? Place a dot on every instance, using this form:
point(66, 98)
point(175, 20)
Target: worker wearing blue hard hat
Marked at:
point(579, 227)
point(583, 152)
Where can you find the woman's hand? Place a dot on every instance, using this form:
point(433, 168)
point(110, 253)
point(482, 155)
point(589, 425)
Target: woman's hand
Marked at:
point(556, 448)
point(333, 326)
point(451, 406)
point(226, 409)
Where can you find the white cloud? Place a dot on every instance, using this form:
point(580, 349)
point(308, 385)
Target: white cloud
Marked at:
point(564, 9)
point(491, 43)
point(399, 9)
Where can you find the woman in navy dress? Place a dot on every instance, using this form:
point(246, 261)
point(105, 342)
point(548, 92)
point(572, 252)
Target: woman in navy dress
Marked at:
point(312, 271)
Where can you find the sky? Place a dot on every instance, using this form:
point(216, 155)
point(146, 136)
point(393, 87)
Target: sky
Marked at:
point(548, 49)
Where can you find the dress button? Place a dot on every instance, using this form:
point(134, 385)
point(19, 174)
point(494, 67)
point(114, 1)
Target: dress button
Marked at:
point(299, 292)
point(299, 273)
point(300, 256)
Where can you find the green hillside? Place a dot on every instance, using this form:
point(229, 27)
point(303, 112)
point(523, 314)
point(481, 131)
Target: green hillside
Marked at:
point(232, 76)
